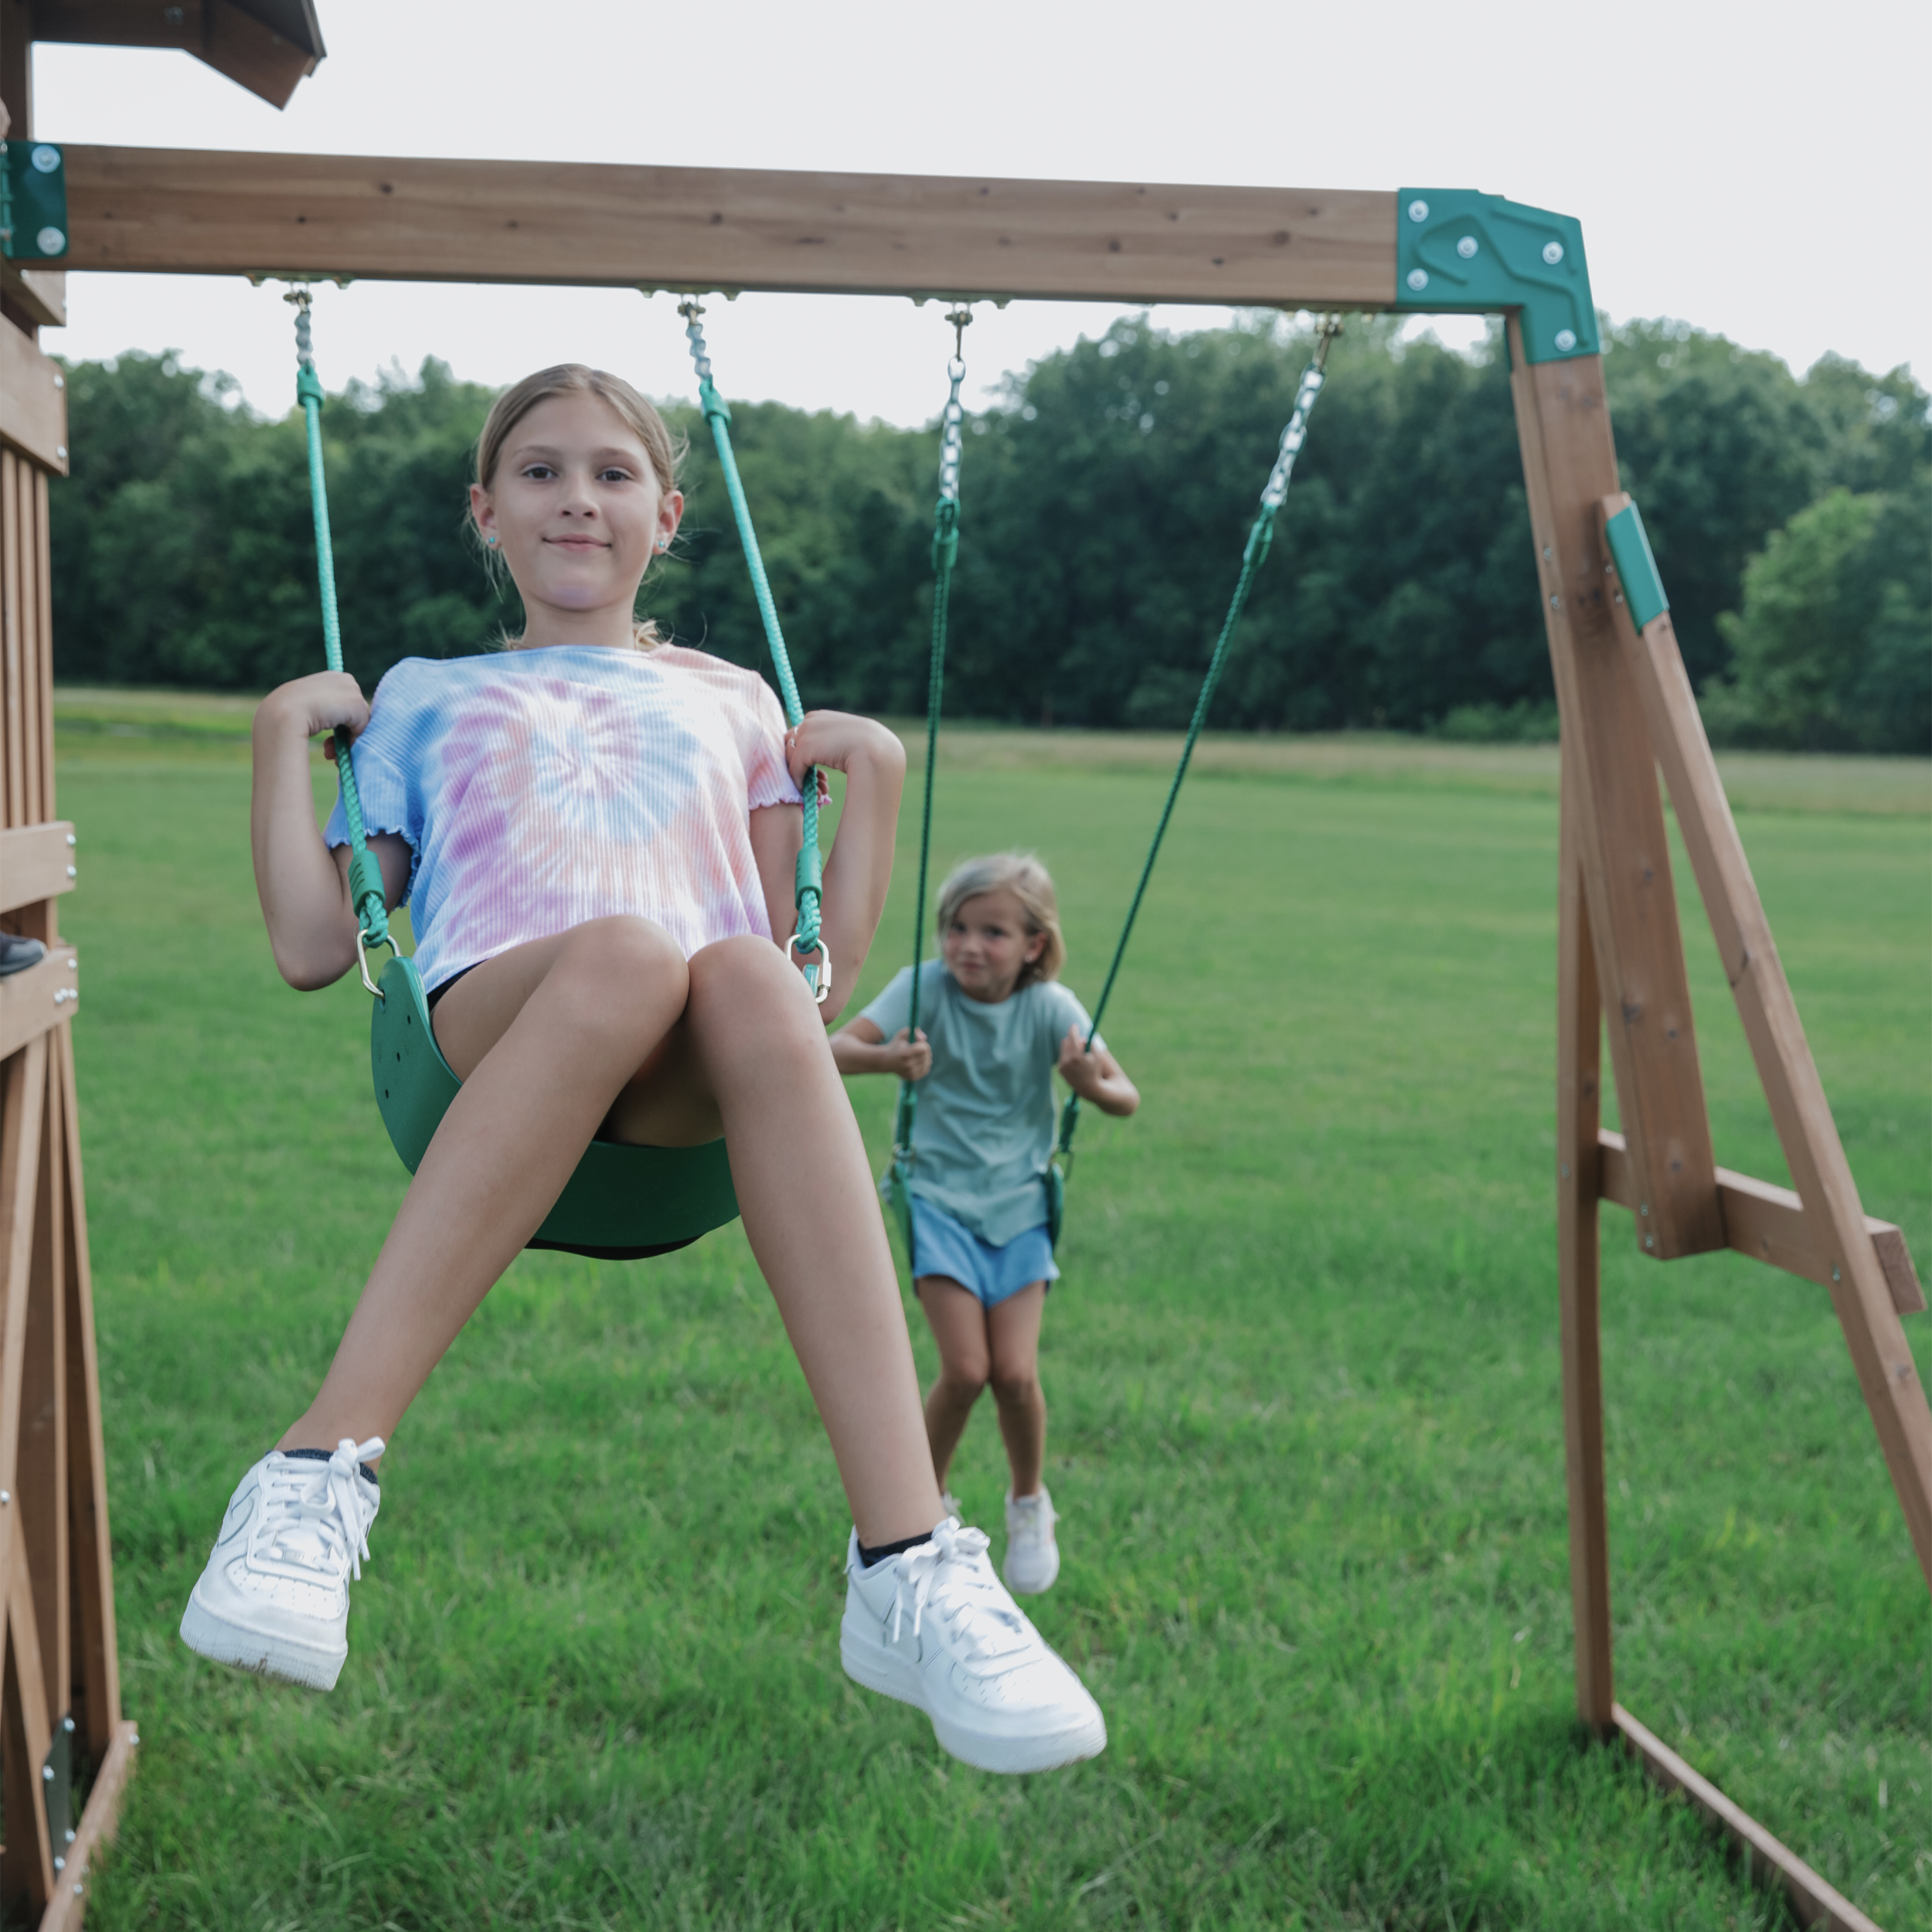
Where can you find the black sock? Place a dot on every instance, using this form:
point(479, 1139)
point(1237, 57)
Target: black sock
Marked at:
point(329, 1455)
point(869, 1554)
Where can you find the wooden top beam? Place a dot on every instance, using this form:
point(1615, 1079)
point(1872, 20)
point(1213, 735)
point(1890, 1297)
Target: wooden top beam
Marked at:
point(185, 211)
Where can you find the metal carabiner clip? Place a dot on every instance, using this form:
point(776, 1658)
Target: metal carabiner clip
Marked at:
point(818, 978)
point(363, 943)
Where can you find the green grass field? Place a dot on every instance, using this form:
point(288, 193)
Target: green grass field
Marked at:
point(1307, 1436)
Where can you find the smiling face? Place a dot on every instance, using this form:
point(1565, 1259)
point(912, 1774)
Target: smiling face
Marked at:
point(986, 946)
point(577, 513)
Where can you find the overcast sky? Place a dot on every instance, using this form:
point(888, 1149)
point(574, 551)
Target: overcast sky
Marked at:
point(1759, 169)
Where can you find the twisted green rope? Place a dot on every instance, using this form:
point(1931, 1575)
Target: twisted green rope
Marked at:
point(365, 876)
point(1261, 536)
point(809, 878)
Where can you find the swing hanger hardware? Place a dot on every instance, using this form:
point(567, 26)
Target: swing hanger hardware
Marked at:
point(818, 976)
point(960, 316)
point(296, 280)
point(363, 943)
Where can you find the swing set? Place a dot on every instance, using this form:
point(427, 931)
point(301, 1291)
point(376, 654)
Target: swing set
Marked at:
point(1626, 706)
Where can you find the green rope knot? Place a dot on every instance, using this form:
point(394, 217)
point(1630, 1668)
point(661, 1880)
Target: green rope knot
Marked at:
point(1259, 538)
point(716, 410)
point(308, 386)
point(366, 894)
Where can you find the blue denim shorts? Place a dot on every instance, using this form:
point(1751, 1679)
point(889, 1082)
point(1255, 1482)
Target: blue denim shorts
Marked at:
point(944, 1246)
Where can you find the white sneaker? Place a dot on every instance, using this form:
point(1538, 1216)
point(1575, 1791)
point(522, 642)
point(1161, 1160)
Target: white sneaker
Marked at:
point(1032, 1557)
point(274, 1596)
point(935, 1628)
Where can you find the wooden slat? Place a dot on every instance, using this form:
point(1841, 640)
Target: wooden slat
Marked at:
point(13, 717)
point(43, 624)
point(26, 1860)
point(66, 1909)
point(33, 401)
point(23, 1095)
point(1579, 1102)
point(96, 1675)
point(40, 1474)
point(1814, 1902)
point(199, 211)
point(33, 700)
point(1562, 422)
point(40, 294)
point(228, 38)
point(1769, 1223)
point(28, 1007)
point(1861, 1294)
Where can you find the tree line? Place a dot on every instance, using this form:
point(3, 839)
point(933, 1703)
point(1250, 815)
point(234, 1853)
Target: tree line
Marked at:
point(1107, 494)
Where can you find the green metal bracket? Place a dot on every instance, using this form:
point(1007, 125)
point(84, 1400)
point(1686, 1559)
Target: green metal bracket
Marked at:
point(1458, 252)
point(1636, 568)
point(33, 201)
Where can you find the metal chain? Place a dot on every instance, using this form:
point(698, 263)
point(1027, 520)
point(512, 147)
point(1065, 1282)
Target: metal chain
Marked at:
point(1261, 536)
point(364, 875)
point(808, 887)
point(945, 554)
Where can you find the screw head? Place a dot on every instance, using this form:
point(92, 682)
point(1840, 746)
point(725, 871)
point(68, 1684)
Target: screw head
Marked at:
point(1418, 210)
point(1649, 1241)
point(66, 1724)
point(1836, 1276)
point(1467, 246)
point(59, 381)
point(50, 241)
point(1565, 339)
point(1566, 1172)
point(6, 1496)
point(47, 1772)
point(1555, 602)
point(1418, 279)
point(1553, 252)
point(46, 159)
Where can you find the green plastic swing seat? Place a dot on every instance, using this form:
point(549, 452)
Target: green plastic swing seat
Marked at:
point(623, 1203)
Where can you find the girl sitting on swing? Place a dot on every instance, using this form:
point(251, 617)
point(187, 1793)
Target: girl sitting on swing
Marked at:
point(1001, 1026)
point(595, 831)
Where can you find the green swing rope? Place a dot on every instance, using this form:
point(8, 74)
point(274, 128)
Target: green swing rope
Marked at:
point(1260, 537)
point(364, 875)
point(945, 555)
point(809, 878)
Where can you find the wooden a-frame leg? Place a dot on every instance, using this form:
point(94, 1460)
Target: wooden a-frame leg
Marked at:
point(1579, 1109)
point(1861, 1295)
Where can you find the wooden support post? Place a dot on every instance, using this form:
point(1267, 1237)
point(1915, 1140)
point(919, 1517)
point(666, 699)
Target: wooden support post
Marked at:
point(1578, 1049)
point(1861, 1294)
point(1562, 422)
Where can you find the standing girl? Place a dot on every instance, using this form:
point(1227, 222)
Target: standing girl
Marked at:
point(1000, 1025)
point(596, 832)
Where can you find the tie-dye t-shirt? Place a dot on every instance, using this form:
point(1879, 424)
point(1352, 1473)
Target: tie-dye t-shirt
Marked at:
point(537, 789)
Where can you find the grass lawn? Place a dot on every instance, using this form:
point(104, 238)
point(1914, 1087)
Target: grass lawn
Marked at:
point(1306, 1436)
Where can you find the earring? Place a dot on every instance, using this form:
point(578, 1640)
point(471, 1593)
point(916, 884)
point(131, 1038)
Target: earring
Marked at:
point(490, 539)
point(664, 543)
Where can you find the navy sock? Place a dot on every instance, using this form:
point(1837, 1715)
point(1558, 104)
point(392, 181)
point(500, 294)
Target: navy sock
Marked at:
point(869, 1554)
point(327, 1455)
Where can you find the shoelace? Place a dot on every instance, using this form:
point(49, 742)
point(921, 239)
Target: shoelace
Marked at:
point(951, 1575)
point(314, 1514)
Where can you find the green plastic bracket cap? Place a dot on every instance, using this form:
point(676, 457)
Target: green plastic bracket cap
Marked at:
point(1636, 568)
point(33, 201)
point(1458, 252)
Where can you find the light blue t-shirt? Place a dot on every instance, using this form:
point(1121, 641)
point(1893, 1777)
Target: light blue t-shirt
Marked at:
point(984, 1126)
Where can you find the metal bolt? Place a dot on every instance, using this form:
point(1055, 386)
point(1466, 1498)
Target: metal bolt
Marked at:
point(47, 1772)
point(1553, 252)
point(66, 1724)
point(70, 838)
point(60, 1864)
point(1565, 339)
point(1836, 1276)
point(60, 451)
point(6, 1497)
point(50, 241)
point(1548, 553)
point(60, 382)
point(70, 1836)
point(1643, 1209)
point(1418, 211)
point(1566, 1172)
point(1555, 602)
point(1467, 246)
point(1648, 1242)
point(1418, 279)
point(46, 158)
point(74, 871)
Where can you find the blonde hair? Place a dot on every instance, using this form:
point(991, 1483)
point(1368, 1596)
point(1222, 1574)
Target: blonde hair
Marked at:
point(1023, 876)
point(635, 411)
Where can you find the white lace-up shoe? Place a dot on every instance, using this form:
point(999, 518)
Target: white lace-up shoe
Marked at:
point(1032, 1557)
point(274, 1598)
point(935, 1628)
